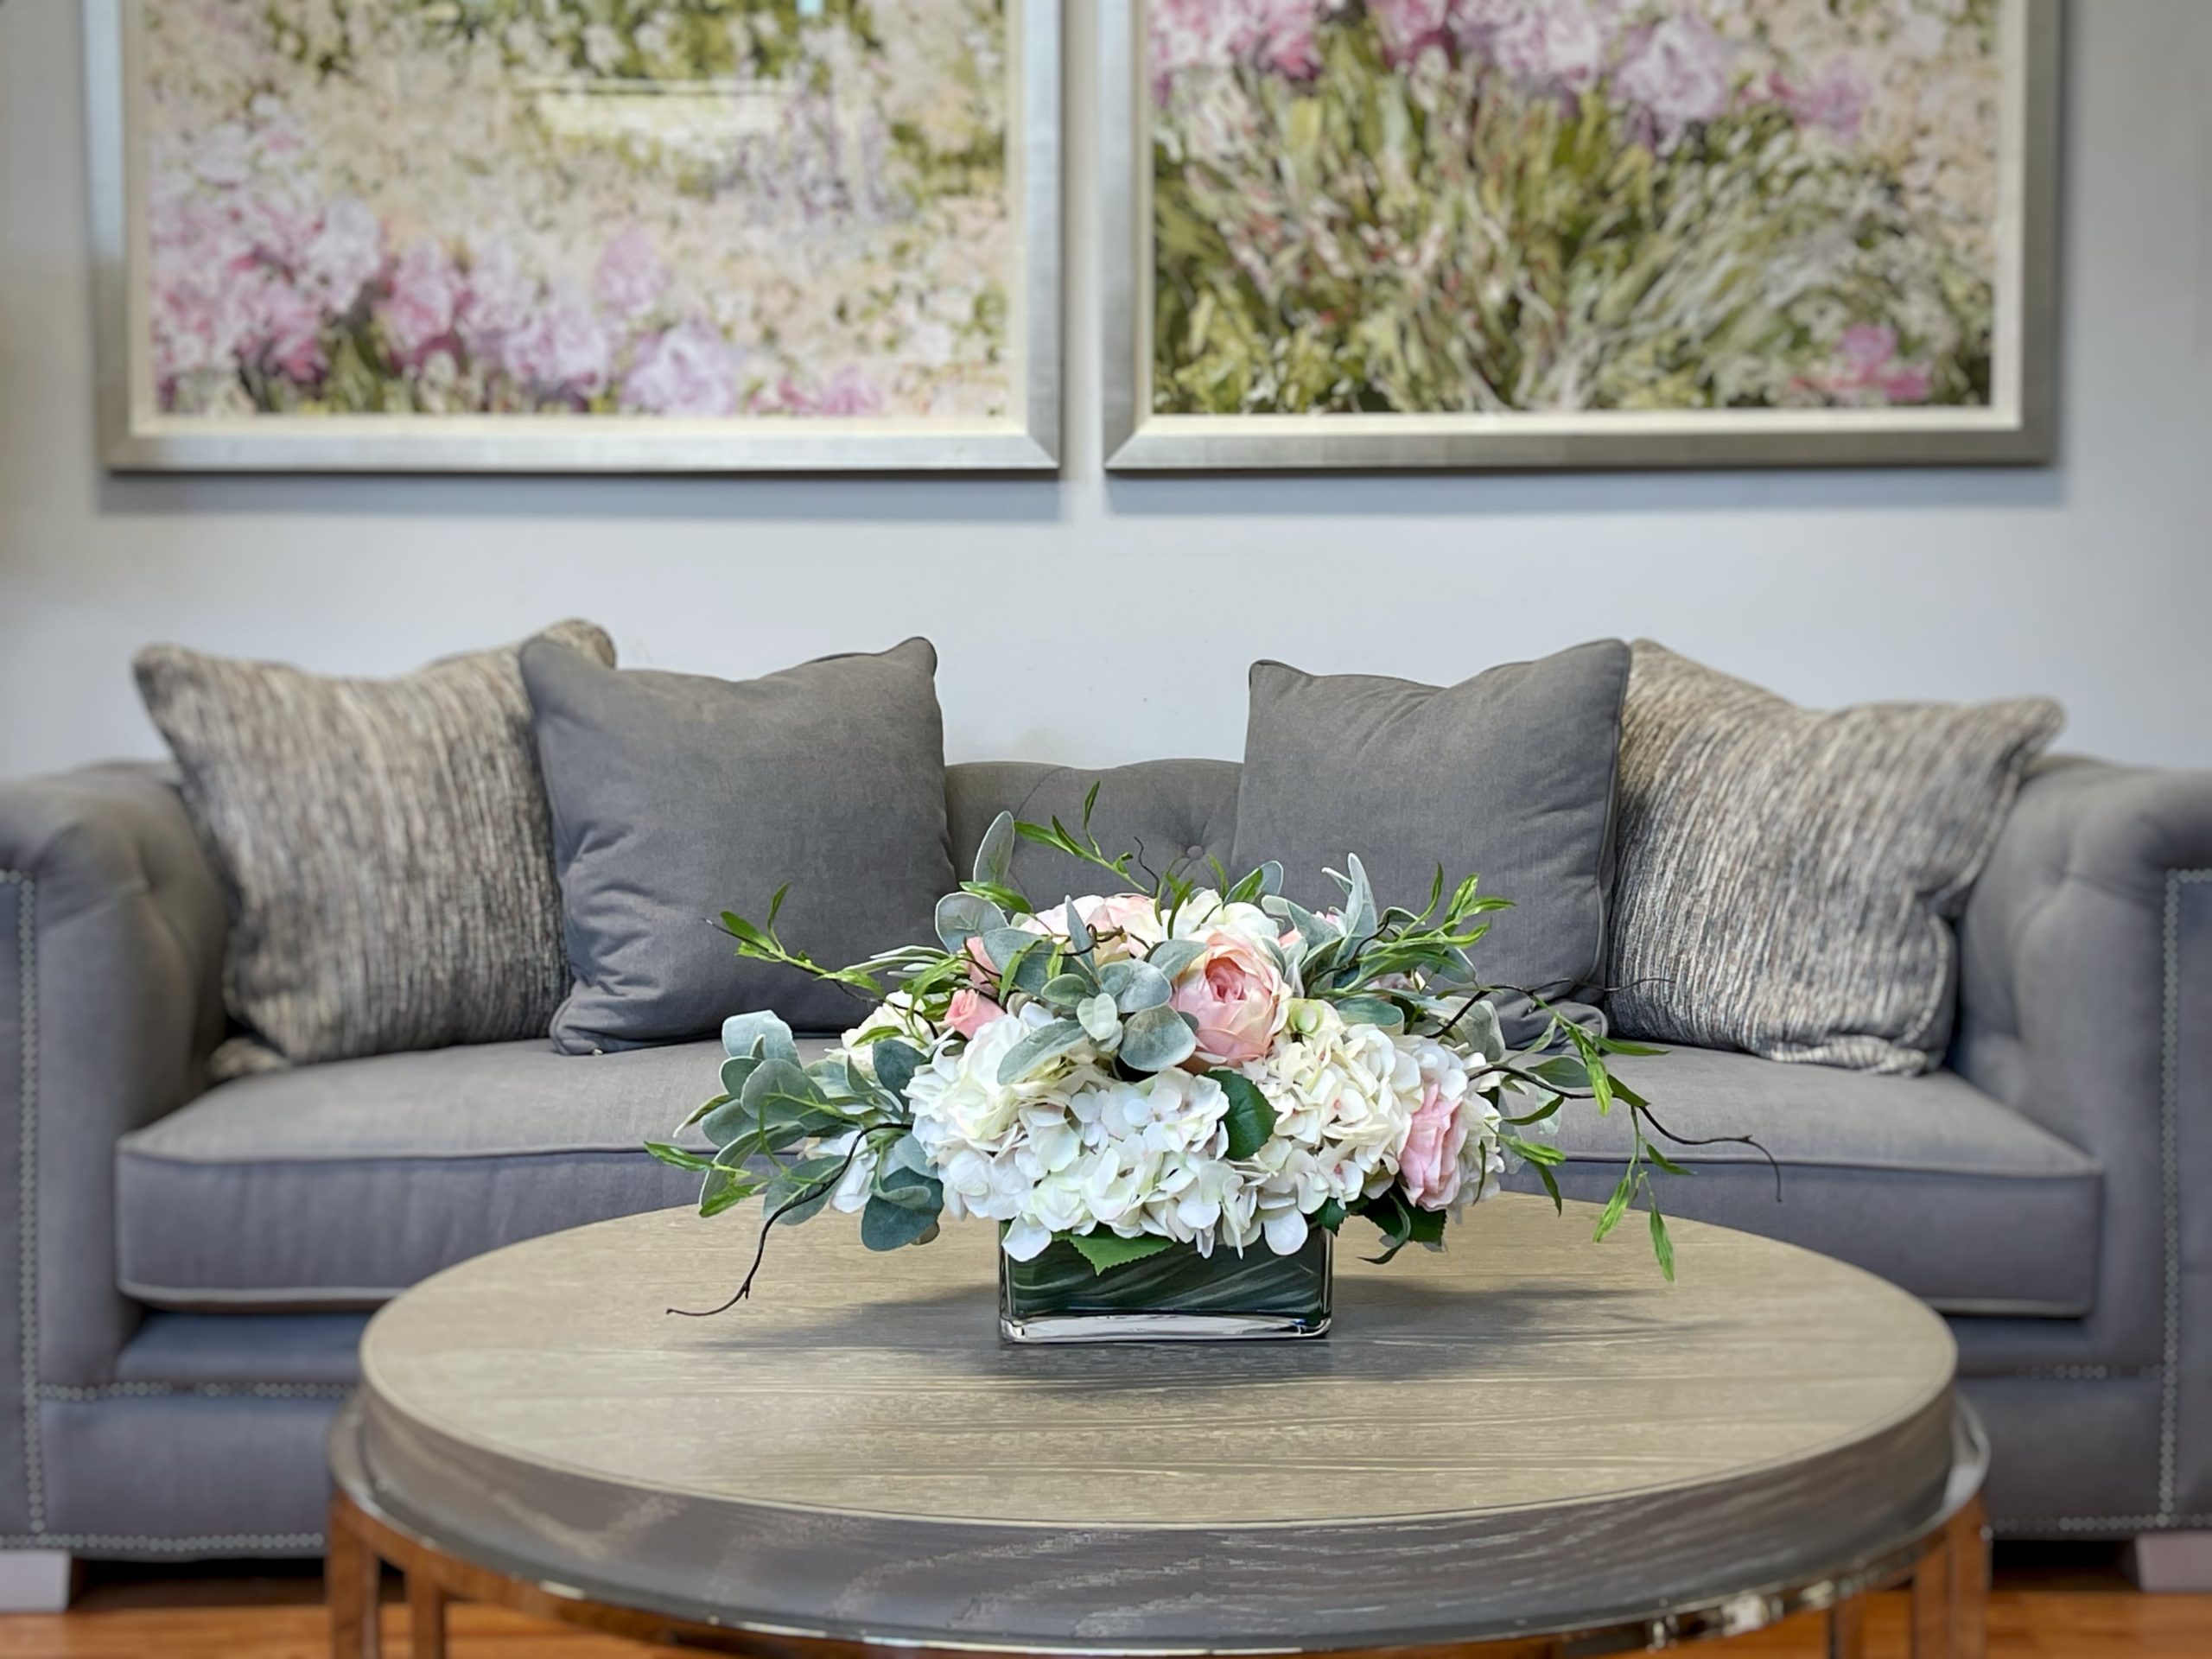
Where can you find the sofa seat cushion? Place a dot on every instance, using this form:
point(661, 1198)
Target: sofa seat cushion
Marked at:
point(339, 1186)
point(1925, 1180)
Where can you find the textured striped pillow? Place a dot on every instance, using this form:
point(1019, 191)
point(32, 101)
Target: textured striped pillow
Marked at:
point(385, 845)
point(1787, 878)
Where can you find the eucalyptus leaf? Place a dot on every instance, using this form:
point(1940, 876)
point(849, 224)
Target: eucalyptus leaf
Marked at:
point(895, 1065)
point(731, 1122)
point(995, 854)
point(1155, 1039)
point(886, 1225)
point(1099, 1018)
point(777, 1081)
point(1134, 985)
point(1372, 1011)
point(907, 1153)
point(742, 1032)
point(1480, 1030)
point(1047, 1043)
point(735, 1071)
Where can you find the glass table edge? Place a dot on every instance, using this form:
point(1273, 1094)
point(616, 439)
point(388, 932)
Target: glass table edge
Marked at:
point(1697, 1618)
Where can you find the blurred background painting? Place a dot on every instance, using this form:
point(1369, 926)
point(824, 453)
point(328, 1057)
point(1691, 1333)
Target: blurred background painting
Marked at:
point(739, 211)
point(1549, 207)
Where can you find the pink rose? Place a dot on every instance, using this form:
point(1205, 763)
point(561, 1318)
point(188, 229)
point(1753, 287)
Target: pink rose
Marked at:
point(970, 1011)
point(1236, 995)
point(1123, 924)
point(1428, 1167)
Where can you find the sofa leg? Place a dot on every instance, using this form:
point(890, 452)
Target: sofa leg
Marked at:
point(36, 1580)
point(2171, 1563)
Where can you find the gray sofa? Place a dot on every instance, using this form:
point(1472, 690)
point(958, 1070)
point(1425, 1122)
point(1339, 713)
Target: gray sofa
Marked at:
point(195, 1264)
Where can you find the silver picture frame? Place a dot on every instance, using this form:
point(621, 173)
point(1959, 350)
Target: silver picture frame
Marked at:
point(136, 437)
point(2018, 427)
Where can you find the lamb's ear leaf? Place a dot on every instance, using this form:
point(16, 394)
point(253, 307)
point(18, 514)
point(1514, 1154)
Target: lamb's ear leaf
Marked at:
point(1172, 957)
point(1155, 1039)
point(1134, 985)
point(995, 853)
point(961, 916)
point(1108, 1250)
point(1047, 1042)
point(1250, 1119)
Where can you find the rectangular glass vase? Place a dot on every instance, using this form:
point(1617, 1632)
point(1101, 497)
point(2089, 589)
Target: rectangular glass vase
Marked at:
point(1176, 1296)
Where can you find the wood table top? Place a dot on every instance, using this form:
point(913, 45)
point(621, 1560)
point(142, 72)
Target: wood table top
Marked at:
point(1521, 1425)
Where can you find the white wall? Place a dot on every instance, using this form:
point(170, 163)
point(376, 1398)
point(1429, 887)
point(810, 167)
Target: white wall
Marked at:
point(1095, 620)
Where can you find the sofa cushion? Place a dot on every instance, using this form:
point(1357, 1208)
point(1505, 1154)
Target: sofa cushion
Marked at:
point(1924, 1180)
point(1789, 878)
point(675, 796)
point(337, 1186)
point(383, 845)
point(1508, 776)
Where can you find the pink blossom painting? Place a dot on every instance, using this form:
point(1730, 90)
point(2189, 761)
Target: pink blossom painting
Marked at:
point(1591, 218)
point(571, 216)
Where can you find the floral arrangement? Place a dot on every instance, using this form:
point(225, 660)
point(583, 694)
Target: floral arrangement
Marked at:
point(1169, 1064)
point(1487, 205)
point(692, 209)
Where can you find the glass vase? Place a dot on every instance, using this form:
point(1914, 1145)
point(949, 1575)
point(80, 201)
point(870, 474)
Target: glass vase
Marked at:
point(1176, 1296)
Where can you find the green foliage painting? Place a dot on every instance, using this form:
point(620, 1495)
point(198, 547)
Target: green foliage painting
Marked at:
point(1468, 207)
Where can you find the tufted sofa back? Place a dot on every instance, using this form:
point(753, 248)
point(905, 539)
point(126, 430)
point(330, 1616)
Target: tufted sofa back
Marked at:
point(1158, 809)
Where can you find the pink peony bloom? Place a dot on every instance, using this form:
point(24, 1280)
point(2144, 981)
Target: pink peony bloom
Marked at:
point(847, 393)
point(690, 370)
point(970, 1011)
point(1678, 73)
point(498, 300)
point(1238, 996)
point(1837, 101)
point(419, 311)
point(1409, 27)
point(1275, 34)
point(561, 350)
point(1868, 368)
point(1428, 1165)
point(630, 278)
point(345, 254)
point(286, 330)
point(1552, 43)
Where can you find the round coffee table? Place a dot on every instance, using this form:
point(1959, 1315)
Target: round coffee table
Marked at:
point(1527, 1444)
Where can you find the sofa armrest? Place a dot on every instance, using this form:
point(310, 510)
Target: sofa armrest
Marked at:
point(111, 998)
point(2086, 1004)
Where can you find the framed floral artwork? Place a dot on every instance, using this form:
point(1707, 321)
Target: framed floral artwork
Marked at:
point(1534, 233)
point(577, 235)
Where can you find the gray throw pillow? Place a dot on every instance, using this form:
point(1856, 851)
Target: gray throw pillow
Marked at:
point(383, 845)
point(1789, 878)
point(677, 797)
point(1508, 776)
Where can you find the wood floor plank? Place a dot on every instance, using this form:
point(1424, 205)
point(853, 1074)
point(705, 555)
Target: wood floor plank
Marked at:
point(2023, 1625)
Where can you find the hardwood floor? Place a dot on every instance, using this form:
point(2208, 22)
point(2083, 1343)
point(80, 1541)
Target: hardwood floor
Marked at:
point(2047, 1604)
